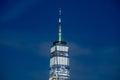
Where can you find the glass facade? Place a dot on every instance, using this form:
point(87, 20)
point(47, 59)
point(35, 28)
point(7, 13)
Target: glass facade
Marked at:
point(59, 61)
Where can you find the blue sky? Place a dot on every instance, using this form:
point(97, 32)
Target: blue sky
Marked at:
point(28, 28)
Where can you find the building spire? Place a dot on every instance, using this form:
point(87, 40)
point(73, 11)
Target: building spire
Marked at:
point(60, 30)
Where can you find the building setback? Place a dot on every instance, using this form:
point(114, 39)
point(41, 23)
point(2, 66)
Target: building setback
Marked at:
point(59, 58)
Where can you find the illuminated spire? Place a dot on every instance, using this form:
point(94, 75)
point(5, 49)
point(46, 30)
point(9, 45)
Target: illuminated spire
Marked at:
point(60, 30)
point(59, 15)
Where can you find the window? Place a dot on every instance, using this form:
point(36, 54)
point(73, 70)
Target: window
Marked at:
point(52, 49)
point(62, 60)
point(59, 60)
point(62, 48)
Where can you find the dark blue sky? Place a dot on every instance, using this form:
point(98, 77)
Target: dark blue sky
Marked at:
point(91, 28)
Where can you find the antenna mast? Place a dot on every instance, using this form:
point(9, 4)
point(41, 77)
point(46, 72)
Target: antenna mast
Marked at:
point(60, 30)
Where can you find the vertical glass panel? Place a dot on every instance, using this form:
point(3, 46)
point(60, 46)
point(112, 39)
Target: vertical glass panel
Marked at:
point(62, 60)
point(62, 48)
point(59, 60)
point(52, 49)
point(51, 62)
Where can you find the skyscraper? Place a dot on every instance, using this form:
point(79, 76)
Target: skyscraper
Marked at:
point(59, 58)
